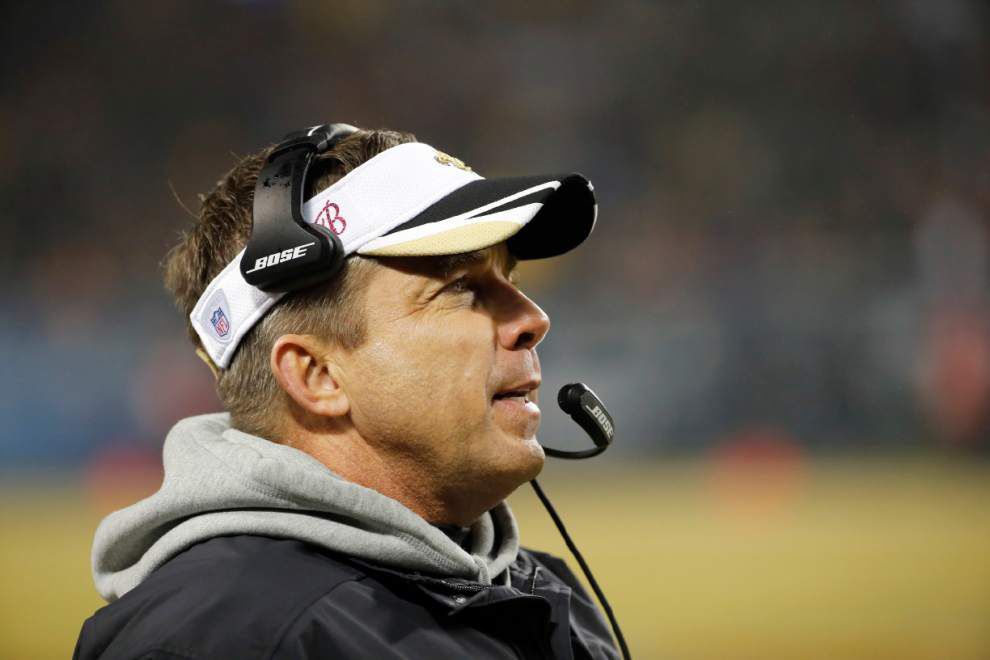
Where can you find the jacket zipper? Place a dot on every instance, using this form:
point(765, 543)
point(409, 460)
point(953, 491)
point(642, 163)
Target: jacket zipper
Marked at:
point(473, 588)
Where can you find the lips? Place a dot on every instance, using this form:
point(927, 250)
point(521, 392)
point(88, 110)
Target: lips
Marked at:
point(520, 394)
point(515, 402)
point(519, 391)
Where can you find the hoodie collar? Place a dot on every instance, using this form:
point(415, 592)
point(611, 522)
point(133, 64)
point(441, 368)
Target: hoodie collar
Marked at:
point(221, 481)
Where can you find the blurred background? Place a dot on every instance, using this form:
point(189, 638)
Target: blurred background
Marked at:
point(786, 302)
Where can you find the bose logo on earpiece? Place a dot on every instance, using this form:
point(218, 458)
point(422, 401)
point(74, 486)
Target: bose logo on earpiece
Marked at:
point(279, 257)
point(602, 418)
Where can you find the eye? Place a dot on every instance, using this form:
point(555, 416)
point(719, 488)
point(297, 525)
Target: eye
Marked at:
point(462, 285)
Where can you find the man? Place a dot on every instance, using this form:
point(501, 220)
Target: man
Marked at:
point(350, 502)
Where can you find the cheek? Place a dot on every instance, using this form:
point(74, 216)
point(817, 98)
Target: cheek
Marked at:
point(436, 375)
point(456, 362)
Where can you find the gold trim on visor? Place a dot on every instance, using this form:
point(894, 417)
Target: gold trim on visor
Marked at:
point(467, 238)
point(447, 159)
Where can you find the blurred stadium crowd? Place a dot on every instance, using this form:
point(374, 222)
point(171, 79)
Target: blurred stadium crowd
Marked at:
point(794, 202)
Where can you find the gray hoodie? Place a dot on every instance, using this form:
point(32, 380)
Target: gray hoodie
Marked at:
point(220, 481)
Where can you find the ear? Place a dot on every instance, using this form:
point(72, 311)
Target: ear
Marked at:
point(301, 368)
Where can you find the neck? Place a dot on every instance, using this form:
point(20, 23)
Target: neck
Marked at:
point(400, 477)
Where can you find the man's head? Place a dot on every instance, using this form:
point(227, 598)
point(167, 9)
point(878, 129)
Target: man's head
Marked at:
point(412, 375)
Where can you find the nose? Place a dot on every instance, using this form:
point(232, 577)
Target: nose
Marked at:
point(524, 324)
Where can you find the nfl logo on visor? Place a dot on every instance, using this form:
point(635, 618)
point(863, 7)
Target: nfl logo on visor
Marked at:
point(216, 318)
point(220, 323)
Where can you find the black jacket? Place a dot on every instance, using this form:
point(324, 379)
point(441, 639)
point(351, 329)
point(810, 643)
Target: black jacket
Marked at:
point(244, 597)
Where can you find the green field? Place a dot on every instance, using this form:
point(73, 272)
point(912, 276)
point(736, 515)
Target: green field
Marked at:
point(869, 559)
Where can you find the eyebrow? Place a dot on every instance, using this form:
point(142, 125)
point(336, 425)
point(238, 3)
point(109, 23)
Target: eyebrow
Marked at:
point(447, 264)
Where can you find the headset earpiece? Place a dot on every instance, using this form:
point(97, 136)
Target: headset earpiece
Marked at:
point(286, 253)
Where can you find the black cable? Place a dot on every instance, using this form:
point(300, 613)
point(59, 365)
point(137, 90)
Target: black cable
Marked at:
point(584, 567)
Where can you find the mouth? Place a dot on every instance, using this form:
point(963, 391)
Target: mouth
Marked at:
point(517, 395)
point(519, 399)
point(522, 392)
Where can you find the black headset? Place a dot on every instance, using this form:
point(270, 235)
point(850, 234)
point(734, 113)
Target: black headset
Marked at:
point(286, 253)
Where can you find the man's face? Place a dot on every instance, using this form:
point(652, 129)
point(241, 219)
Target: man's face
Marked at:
point(427, 389)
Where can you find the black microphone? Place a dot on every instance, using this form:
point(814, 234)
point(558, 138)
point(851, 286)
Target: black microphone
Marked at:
point(585, 408)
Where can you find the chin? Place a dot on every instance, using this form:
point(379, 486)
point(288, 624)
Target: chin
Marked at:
point(508, 457)
point(537, 465)
point(496, 476)
point(529, 458)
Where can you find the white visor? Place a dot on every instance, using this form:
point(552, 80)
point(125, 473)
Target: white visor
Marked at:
point(412, 200)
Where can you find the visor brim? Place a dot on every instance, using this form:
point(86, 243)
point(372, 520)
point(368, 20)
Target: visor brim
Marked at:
point(538, 216)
